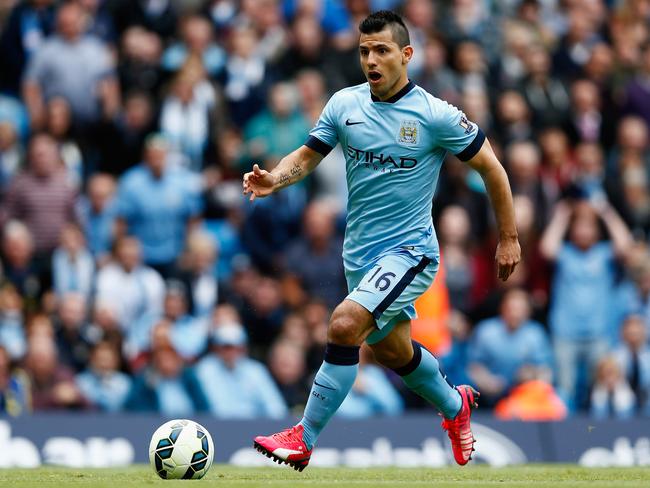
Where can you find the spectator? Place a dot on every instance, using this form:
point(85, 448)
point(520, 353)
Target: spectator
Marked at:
point(587, 122)
point(558, 163)
point(277, 130)
point(633, 359)
point(637, 93)
point(98, 212)
point(581, 288)
point(42, 197)
point(245, 76)
point(166, 386)
point(505, 349)
point(104, 325)
point(58, 122)
point(313, 262)
point(287, 366)
point(455, 249)
point(470, 19)
point(573, 50)
point(524, 160)
point(264, 237)
point(12, 327)
point(140, 69)
point(73, 267)
point(71, 323)
point(197, 39)
point(235, 385)
point(436, 77)
point(131, 289)
point(611, 396)
point(103, 385)
point(513, 118)
point(14, 387)
point(29, 23)
point(157, 203)
point(546, 95)
point(306, 48)
point(188, 335)
point(263, 313)
point(99, 21)
point(20, 269)
point(77, 67)
point(159, 17)
point(122, 140)
point(198, 273)
point(52, 384)
point(187, 116)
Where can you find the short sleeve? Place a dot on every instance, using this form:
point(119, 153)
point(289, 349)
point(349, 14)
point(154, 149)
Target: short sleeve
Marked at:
point(324, 136)
point(455, 133)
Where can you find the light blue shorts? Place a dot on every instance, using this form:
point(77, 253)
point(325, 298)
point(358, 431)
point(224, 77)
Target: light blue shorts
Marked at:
point(388, 288)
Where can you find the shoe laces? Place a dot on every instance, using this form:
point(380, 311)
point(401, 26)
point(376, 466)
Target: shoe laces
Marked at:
point(286, 435)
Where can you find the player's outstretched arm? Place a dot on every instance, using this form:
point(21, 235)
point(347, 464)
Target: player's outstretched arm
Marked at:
point(495, 178)
point(291, 169)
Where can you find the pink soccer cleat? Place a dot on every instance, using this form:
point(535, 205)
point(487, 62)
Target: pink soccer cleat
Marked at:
point(459, 429)
point(285, 447)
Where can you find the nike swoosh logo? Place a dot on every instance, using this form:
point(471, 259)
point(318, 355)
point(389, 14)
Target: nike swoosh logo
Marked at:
point(347, 122)
point(323, 386)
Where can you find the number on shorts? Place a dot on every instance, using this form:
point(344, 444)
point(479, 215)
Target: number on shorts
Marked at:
point(383, 282)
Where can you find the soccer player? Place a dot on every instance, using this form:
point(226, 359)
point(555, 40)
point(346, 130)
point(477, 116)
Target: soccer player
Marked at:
point(395, 137)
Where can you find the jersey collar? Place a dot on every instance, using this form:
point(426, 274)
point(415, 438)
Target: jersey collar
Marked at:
point(407, 88)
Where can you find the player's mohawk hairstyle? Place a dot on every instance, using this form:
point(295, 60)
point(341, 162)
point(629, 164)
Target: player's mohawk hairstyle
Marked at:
point(377, 21)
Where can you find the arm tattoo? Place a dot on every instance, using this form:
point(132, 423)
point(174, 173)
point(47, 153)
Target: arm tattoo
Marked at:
point(294, 173)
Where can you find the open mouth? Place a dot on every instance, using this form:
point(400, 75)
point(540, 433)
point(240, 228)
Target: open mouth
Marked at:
point(374, 76)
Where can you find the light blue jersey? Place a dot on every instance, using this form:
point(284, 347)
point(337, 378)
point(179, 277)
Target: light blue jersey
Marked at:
point(393, 150)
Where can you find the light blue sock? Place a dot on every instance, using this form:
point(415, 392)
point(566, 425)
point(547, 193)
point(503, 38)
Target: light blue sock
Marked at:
point(331, 385)
point(423, 376)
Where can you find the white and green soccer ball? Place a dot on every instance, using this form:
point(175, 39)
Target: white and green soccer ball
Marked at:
point(181, 449)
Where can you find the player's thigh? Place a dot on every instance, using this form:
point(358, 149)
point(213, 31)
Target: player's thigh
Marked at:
point(389, 288)
point(350, 324)
point(395, 350)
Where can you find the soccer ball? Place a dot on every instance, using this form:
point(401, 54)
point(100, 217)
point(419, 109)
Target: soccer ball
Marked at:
point(181, 449)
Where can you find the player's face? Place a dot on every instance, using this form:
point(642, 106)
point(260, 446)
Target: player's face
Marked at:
point(384, 62)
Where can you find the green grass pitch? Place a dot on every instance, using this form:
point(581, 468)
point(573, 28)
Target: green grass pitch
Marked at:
point(220, 476)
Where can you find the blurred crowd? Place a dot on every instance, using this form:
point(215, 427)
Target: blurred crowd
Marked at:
point(135, 275)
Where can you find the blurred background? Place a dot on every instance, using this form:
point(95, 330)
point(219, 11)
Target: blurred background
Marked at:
point(136, 277)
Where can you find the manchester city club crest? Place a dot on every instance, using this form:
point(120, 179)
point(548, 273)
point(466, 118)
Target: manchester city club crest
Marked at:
point(408, 132)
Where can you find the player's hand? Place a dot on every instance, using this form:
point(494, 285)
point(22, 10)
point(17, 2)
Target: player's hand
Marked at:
point(507, 257)
point(259, 183)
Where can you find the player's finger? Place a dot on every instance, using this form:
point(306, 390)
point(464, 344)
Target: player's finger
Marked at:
point(256, 170)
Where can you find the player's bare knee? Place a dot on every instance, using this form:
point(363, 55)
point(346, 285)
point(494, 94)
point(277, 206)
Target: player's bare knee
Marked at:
point(344, 331)
point(349, 326)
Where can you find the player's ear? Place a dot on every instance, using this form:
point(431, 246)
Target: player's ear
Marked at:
point(407, 54)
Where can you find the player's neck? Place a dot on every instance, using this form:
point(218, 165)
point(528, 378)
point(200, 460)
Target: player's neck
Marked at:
point(397, 87)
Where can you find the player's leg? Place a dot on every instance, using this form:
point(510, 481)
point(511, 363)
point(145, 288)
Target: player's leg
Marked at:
point(420, 371)
point(349, 326)
point(418, 368)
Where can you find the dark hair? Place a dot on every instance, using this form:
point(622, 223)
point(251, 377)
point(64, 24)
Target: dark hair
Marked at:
point(377, 21)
